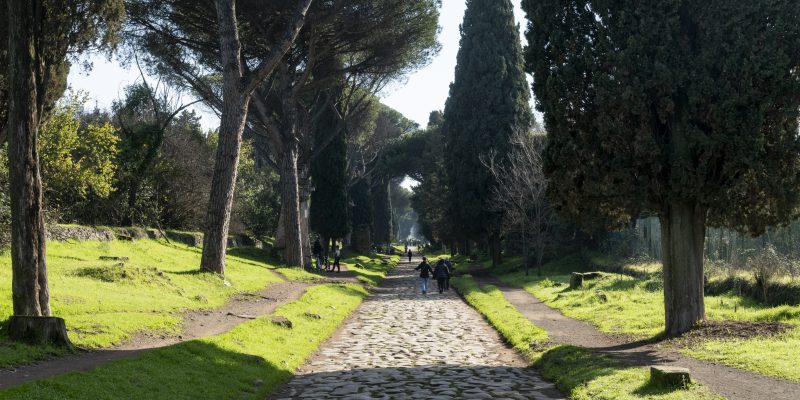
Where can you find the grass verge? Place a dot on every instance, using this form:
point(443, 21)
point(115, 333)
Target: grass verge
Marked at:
point(248, 362)
point(517, 330)
point(585, 374)
point(580, 372)
point(104, 301)
point(634, 307)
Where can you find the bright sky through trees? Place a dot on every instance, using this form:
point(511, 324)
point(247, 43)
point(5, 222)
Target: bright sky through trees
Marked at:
point(424, 91)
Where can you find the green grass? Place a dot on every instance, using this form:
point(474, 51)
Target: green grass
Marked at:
point(369, 270)
point(248, 362)
point(585, 374)
point(582, 373)
point(513, 326)
point(635, 307)
point(104, 302)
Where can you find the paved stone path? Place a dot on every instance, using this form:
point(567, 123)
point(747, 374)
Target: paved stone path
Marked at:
point(402, 345)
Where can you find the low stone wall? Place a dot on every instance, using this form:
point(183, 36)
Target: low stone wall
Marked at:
point(63, 233)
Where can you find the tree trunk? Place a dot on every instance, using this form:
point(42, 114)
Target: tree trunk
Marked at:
point(290, 206)
point(495, 250)
point(29, 270)
point(683, 226)
point(525, 260)
point(234, 115)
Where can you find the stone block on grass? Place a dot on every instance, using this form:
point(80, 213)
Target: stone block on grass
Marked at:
point(677, 377)
point(281, 321)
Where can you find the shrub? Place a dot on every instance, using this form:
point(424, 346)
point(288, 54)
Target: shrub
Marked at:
point(767, 264)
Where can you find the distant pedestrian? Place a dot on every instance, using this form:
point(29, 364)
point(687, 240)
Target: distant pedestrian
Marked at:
point(441, 274)
point(408, 252)
point(337, 255)
point(425, 272)
point(449, 266)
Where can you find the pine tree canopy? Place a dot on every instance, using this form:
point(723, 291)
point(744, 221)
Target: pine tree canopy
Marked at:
point(651, 101)
point(488, 101)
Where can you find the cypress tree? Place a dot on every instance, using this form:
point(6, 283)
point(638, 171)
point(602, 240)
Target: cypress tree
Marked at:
point(488, 101)
point(329, 174)
point(382, 227)
point(684, 109)
point(361, 216)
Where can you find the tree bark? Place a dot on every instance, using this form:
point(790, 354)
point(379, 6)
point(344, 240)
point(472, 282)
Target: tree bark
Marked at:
point(290, 206)
point(29, 270)
point(234, 115)
point(495, 249)
point(683, 226)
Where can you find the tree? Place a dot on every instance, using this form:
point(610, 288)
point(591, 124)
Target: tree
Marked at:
point(521, 193)
point(488, 101)
point(361, 216)
point(382, 228)
point(687, 110)
point(77, 162)
point(41, 35)
point(374, 40)
point(329, 173)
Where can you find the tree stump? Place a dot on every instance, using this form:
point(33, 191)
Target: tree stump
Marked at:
point(670, 376)
point(576, 280)
point(38, 330)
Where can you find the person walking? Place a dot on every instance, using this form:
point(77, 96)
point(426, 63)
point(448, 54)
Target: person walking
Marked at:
point(425, 272)
point(449, 266)
point(440, 273)
point(337, 255)
point(408, 252)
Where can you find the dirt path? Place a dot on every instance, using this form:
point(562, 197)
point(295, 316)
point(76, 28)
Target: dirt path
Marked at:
point(196, 324)
point(401, 344)
point(732, 383)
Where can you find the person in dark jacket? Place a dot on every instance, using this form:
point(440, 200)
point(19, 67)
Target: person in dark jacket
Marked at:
point(425, 272)
point(408, 253)
point(449, 266)
point(441, 274)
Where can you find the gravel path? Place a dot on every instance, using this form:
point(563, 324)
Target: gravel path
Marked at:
point(401, 344)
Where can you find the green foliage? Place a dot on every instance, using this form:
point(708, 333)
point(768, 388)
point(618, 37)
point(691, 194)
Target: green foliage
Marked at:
point(430, 199)
point(76, 161)
point(361, 200)
point(219, 367)
point(329, 201)
point(257, 202)
point(489, 100)
point(66, 29)
point(652, 102)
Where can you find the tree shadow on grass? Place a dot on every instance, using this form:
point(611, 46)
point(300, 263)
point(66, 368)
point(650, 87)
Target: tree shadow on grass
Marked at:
point(571, 367)
point(191, 370)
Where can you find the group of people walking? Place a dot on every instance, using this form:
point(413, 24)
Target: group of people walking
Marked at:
point(323, 259)
point(441, 272)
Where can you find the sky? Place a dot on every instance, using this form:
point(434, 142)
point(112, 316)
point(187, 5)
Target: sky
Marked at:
point(415, 97)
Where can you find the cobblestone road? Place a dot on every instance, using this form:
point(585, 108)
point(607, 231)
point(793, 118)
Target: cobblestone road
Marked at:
point(402, 345)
